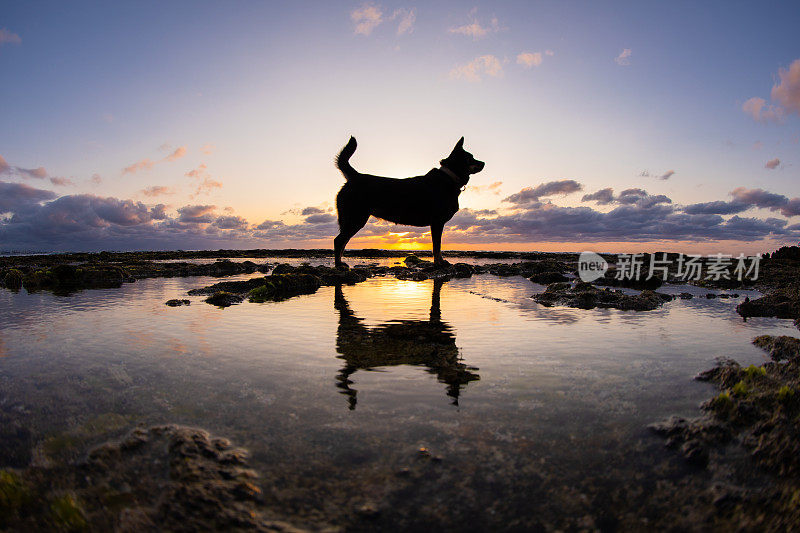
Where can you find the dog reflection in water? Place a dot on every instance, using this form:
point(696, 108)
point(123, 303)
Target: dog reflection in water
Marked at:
point(428, 343)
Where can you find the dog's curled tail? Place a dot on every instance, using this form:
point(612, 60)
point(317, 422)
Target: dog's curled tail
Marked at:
point(343, 159)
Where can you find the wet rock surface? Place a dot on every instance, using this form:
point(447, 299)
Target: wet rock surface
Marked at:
point(287, 281)
point(587, 296)
point(756, 415)
point(780, 302)
point(160, 478)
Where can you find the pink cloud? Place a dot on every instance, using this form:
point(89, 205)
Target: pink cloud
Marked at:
point(61, 181)
point(366, 18)
point(487, 65)
point(407, 18)
point(772, 164)
point(474, 29)
point(204, 184)
point(787, 92)
point(144, 164)
point(761, 111)
point(529, 59)
point(8, 37)
point(157, 190)
point(27, 173)
point(624, 57)
point(177, 154)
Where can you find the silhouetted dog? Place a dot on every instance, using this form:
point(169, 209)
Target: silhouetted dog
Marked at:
point(429, 200)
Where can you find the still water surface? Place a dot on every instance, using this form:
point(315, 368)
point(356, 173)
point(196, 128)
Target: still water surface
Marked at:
point(334, 393)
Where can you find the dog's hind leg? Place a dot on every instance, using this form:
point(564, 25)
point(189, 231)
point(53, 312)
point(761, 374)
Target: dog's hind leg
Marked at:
point(348, 226)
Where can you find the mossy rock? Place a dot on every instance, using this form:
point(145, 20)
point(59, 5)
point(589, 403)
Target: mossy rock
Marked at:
point(282, 286)
point(67, 514)
point(13, 279)
point(224, 299)
point(14, 495)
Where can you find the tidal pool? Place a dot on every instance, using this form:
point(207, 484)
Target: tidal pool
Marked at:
point(459, 405)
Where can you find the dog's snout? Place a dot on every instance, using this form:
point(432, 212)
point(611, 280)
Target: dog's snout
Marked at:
point(477, 166)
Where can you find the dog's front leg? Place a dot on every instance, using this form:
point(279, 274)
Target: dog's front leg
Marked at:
point(436, 236)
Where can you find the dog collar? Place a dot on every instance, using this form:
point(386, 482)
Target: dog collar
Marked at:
point(452, 175)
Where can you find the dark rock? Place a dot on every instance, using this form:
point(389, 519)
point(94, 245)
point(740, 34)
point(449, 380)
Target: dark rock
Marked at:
point(686, 296)
point(545, 278)
point(13, 279)
point(780, 348)
point(782, 302)
point(282, 286)
point(175, 302)
point(224, 299)
point(586, 296)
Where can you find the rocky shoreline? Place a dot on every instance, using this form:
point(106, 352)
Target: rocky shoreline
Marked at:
point(741, 452)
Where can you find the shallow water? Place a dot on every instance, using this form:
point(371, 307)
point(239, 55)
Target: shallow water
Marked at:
point(334, 393)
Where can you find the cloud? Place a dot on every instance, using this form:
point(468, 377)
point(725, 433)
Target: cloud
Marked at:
point(549, 53)
point(366, 18)
point(208, 149)
point(198, 172)
point(602, 197)
point(38, 220)
point(772, 164)
point(631, 223)
point(487, 65)
point(9, 37)
point(19, 196)
point(231, 222)
point(529, 59)
point(177, 154)
point(787, 92)
point(148, 164)
point(492, 188)
point(624, 57)
point(718, 207)
point(666, 175)
point(761, 112)
point(61, 182)
point(323, 218)
point(97, 179)
point(144, 164)
point(157, 190)
point(407, 18)
point(641, 198)
point(158, 212)
point(758, 197)
point(25, 173)
point(197, 214)
point(204, 184)
point(270, 224)
point(530, 195)
point(474, 29)
point(638, 197)
point(311, 211)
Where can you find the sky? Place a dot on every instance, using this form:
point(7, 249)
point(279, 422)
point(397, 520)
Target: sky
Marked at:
point(606, 126)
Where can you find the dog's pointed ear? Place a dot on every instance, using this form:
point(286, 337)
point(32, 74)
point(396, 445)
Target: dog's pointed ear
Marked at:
point(459, 144)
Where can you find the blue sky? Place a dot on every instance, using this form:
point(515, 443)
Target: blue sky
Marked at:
point(228, 116)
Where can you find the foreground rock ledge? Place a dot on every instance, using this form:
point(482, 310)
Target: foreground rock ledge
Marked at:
point(168, 477)
point(757, 412)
